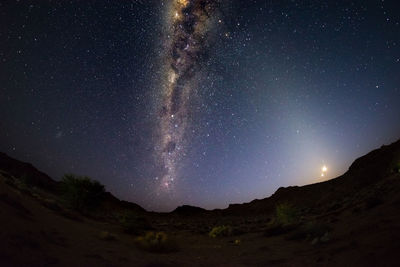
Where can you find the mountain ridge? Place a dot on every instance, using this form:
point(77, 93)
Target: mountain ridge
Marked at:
point(375, 164)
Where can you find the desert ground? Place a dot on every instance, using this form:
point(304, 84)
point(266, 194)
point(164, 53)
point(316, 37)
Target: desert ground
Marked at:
point(352, 220)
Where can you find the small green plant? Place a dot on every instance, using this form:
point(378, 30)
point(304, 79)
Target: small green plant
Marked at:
point(81, 192)
point(286, 214)
point(157, 242)
point(23, 184)
point(25, 179)
point(134, 224)
point(219, 231)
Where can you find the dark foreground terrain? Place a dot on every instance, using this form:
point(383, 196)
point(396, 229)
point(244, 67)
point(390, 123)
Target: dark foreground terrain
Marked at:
point(352, 220)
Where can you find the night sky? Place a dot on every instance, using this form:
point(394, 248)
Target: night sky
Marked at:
point(198, 102)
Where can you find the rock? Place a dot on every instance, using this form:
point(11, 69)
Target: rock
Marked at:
point(325, 237)
point(315, 241)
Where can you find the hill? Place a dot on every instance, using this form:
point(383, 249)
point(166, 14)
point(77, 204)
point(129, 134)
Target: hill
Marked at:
point(366, 172)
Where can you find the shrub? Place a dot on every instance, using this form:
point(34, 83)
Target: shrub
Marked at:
point(107, 236)
point(397, 168)
point(157, 242)
point(134, 224)
point(82, 193)
point(286, 214)
point(219, 231)
point(310, 231)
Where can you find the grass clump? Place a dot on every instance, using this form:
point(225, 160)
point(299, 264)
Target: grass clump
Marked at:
point(134, 224)
point(220, 231)
point(156, 242)
point(81, 192)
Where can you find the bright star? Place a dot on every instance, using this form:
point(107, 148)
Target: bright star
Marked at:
point(324, 168)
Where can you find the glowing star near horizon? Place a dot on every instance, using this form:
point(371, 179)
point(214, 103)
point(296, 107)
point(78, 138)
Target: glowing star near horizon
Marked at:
point(324, 170)
point(188, 22)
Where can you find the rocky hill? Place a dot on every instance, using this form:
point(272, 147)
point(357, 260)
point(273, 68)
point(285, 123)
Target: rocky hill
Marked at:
point(366, 172)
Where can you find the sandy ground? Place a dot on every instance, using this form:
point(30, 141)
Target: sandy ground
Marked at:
point(32, 234)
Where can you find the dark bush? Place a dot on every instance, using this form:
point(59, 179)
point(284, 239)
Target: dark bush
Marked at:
point(286, 214)
point(81, 192)
point(396, 168)
point(107, 236)
point(286, 219)
point(310, 230)
point(134, 224)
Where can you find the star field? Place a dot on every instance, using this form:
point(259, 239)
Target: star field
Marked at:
point(277, 89)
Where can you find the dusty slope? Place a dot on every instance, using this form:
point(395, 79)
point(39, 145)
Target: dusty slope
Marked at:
point(358, 214)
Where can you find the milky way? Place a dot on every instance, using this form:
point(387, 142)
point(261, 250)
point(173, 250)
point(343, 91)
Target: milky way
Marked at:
point(188, 23)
